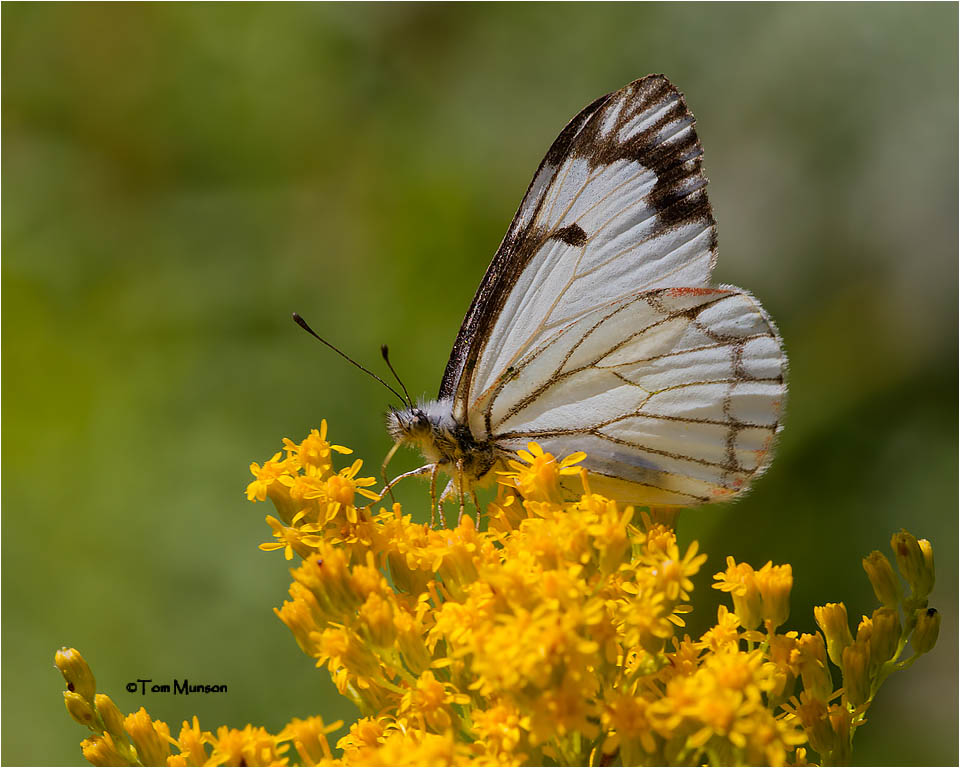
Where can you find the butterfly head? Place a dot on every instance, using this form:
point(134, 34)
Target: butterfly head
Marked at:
point(430, 426)
point(444, 442)
point(421, 421)
point(408, 425)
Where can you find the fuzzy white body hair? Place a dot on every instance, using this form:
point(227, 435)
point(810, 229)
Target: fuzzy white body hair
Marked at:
point(445, 443)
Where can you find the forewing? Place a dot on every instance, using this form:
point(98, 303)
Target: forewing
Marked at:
point(675, 395)
point(618, 206)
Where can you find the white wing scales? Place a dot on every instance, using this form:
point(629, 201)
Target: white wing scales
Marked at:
point(625, 210)
point(678, 391)
point(595, 329)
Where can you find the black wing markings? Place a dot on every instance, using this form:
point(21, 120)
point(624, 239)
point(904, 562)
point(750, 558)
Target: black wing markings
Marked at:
point(508, 262)
point(588, 136)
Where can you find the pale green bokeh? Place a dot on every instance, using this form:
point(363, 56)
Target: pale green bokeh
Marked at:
point(178, 178)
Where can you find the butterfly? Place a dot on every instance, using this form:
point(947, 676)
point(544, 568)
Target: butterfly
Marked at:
point(596, 328)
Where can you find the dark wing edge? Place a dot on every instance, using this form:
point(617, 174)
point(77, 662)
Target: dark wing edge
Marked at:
point(675, 165)
point(504, 269)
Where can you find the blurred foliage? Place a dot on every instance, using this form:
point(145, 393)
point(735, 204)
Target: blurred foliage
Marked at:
point(179, 177)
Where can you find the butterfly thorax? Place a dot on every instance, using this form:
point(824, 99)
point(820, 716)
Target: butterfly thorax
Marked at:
point(442, 439)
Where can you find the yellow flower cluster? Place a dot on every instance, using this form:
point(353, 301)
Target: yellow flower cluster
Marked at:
point(553, 636)
point(138, 740)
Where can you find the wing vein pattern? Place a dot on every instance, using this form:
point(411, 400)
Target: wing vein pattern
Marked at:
point(595, 327)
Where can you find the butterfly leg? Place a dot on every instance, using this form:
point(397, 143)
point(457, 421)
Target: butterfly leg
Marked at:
point(433, 496)
point(449, 490)
point(476, 503)
point(383, 473)
point(460, 489)
point(412, 473)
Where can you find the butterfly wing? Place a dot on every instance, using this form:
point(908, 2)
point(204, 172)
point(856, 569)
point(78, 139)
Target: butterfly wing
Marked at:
point(617, 206)
point(595, 328)
point(675, 395)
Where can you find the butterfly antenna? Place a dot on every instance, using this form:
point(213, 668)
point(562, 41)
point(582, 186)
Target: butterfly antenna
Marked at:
point(303, 324)
point(386, 356)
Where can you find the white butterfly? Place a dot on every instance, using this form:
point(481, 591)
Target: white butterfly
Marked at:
point(595, 328)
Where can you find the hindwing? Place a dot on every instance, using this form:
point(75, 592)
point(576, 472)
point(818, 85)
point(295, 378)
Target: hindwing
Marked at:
point(675, 395)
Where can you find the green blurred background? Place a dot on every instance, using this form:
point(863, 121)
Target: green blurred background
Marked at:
point(178, 178)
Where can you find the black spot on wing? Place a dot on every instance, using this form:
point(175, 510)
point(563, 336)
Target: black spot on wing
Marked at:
point(661, 138)
point(572, 235)
point(667, 144)
point(521, 242)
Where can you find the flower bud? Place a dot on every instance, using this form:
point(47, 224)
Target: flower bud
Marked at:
point(76, 672)
point(300, 615)
point(882, 578)
point(785, 656)
point(929, 572)
point(775, 583)
point(347, 648)
point(101, 750)
point(832, 620)
point(376, 617)
point(927, 630)
point(841, 720)
point(80, 709)
point(740, 580)
point(410, 642)
point(816, 724)
point(112, 719)
point(310, 738)
point(864, 631)
point(813, 667)
point(149, 737)
point(916, 569)
point(885, 636)
point(856, 673)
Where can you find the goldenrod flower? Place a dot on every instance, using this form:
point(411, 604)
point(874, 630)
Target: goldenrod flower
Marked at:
point(150, 737)
point(928, 628)
point(342, 487)
point(775, 583)
point(725, 634)
point(247, 746)
point(538, 479)
point(191, 742)
point(882, 578)
point(926, 549)
point(111, 717)
point(314, 454)
point(885, 635)
point(76, 672)
point(915, 565)
point(833, 622)
point(291, 538)
point(740, 581)
point(504, 731)
point(814, 714)
point(265, 476)
point(812, 659)
point(628, 727)
point(309, 737)
point(856, 673)
point(785, 656)
point(80, 709)
point(100, 749)
point(548, 636)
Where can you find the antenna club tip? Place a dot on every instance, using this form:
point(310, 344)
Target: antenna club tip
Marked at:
point(384, 350)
